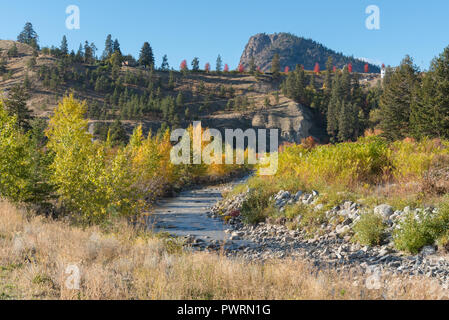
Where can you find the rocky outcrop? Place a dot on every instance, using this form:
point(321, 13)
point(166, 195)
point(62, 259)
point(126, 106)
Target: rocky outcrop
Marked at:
point(294, 121)
point(294, 50)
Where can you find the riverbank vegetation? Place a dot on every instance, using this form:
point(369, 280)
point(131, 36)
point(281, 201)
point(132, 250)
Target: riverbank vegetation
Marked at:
point(124, 262)
point(61, 169)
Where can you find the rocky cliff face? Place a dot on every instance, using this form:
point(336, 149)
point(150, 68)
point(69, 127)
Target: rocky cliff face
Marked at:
point(294, 50)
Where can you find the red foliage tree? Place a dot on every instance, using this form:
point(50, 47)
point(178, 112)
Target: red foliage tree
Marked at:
point(286, 70)
point(226, 68)
point(207, 67)
point(317, 68)
point(183, 65)
point(350, 67)
point(241, 68)
point(366, 68)
point(259, 70)
point(335, 69)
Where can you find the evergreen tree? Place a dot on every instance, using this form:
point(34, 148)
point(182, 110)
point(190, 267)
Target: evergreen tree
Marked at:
point(333, 110)
point(276, 66)
point(179, 100)
point(146, 57)
point(171, 80)
point(252, 66)
point(108, 47)
point(29, 36)
point(328, 76)
point(395, 102)
point(219, 64)
point(88, 53)
point(165, 66)
point(64, 46)
point(195, 64)
point(117, 133)
point(430, 109)
point(79, 54)
point(344, 121)
point(16, 105)
point(13, 51)
point(116, 47)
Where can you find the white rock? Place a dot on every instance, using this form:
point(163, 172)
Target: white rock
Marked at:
point(384, 210)
point(428, 250)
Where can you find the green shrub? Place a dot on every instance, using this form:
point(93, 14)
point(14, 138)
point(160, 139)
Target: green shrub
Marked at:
point(256, 207)
point(370, 229)
point(421, 229)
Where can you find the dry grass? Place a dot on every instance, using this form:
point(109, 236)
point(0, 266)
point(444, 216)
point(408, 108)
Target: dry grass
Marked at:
point(125, 264)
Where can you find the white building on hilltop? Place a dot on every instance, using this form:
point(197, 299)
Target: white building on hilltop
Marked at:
point(382, 72)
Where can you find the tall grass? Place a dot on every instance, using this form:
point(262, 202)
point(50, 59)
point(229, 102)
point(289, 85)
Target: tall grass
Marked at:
point(126, 264)
point(371, 169)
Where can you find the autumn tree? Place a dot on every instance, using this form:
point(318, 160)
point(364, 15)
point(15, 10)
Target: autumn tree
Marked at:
point(316, 69)
point(183, 66)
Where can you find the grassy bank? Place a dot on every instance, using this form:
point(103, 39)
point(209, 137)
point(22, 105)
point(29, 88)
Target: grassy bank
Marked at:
point(123, 263)
point(371, 171)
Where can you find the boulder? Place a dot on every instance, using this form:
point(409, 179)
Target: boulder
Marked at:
point(384, 210)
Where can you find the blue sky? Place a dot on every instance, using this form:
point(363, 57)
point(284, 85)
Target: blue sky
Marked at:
point(205, 28)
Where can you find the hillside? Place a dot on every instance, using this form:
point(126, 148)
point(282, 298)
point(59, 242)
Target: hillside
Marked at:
point(219, 100)
point(157, 98)
point(295, 50)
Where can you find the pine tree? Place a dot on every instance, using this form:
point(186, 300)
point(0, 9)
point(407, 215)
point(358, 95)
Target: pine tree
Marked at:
point(276, 66)
point(195, 64)
point(165, 66)
point(64, 46)
point(146, 57)
point(16, 105)
point(118, 134)
point(116, 47)
point(430, 110)
point(395, 102)
point(328, 77)
point(171, 80)
point(344, 121)
point(252, 66)
point(13, 51)
point(108, 47)
point(88, 53)
point(219, 64)
point(179, 100)
point(29, 36)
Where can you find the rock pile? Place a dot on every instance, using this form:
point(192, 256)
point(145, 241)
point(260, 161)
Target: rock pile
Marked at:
point(332, 247)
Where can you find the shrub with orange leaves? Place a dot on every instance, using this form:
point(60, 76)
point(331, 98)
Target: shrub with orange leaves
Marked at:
point(309, 142)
